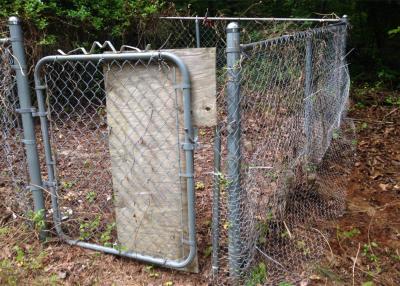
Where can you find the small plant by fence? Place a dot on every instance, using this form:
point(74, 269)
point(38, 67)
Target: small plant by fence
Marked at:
point(121, 120)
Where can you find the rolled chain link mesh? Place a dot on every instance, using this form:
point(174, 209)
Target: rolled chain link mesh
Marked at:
point(13, 172)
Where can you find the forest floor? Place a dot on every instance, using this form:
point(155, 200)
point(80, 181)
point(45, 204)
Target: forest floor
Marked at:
point(364, 245)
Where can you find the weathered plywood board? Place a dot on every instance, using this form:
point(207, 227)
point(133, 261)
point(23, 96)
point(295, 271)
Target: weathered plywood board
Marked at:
point(202, 67)
point(145, 117)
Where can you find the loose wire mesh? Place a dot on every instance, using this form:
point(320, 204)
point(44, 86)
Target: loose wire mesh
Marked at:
point(295, 152)
point(116, 127)
point(13, 172)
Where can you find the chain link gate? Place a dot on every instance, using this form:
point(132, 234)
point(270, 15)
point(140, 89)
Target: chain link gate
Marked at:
point(120, 121)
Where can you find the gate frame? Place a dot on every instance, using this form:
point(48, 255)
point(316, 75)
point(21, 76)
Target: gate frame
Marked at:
point(188, 147)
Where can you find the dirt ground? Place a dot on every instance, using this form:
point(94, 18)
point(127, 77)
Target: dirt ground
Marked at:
point(363, 248)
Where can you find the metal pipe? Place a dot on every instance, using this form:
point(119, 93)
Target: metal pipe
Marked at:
point(26, 110)
point(321, 20)
point(185, 85)
point(197, 33)
point(308, 109)
point(345, 22)
point(286, 38)
point(216, 201)
point(233, 162)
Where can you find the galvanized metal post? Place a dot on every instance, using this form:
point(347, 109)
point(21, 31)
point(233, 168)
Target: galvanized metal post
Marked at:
point(308, 116)
point(197, 33)
point(233, 162)
point(26, 111)
point(345, 22)
point(216, 201)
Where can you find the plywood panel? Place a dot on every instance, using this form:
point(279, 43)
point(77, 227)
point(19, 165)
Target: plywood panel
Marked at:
point(145, 116)
point(201, 64)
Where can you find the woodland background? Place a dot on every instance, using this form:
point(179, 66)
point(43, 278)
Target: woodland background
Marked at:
point(373, 47)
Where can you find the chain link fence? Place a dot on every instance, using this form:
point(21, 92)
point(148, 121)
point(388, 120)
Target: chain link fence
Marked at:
point(282, 147)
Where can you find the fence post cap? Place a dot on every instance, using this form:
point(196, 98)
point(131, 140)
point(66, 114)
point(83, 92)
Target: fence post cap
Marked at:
point(233, 25)
point(13, 20)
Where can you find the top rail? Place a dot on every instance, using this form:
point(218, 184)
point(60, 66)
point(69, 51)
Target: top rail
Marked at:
point(285, 38)
point(321, 20)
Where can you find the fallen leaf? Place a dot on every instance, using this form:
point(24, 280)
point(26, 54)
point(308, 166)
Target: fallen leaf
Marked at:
point(384, 187)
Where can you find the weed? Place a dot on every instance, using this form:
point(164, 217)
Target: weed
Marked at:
point(311, 168)
point(91, 196)
point(392, 100)
point(285, 284)
point(86, 229)
point(273, 176)
point(258, 275)
point(368, 252)
point(208, 251)
point(53, 279)
point(396, 256)
point(4, 231)
point(223, 181)
point(19, 255)
point(152, 273)
point(349, 234)
point(37, 217)
point(359, 105)
point(67, 184)
point(301, 245)
point(106, 235)
point(336, 134)
point(263, 228)
point(8, 273)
